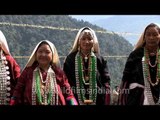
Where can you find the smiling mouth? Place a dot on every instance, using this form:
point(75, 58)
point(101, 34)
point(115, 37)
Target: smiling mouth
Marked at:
point(42, 59)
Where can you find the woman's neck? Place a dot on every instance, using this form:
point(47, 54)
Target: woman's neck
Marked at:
point(152, 51)
point(44, 68)
point(85, 53)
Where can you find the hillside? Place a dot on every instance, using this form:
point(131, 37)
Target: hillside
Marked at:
point(127, 24)
point(23, 32)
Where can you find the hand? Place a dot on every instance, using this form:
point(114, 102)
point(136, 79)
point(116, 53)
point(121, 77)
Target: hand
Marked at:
point(12, 102)
point(72, 101)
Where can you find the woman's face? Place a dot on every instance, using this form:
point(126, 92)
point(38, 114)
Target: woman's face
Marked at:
point(152, 37)
point(86, 41)
point(44, 55)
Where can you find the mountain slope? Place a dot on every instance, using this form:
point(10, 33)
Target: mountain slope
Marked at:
point(128, 24)
point(25, 31)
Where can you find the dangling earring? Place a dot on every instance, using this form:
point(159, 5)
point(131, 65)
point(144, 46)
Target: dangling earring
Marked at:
point(92, 49)
point(79, 49)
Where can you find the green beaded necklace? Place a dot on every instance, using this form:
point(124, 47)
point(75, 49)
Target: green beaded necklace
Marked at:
point(49, 96)
point(148, 100)
point(80, 80)
point(147, 62)
point(38, 91)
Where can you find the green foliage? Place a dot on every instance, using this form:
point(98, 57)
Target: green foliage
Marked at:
point(22, 40)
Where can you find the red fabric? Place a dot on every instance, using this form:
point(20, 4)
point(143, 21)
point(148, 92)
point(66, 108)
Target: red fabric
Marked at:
point(108, 95)
point(12, 102)
point(14, 70)
point(24, 87)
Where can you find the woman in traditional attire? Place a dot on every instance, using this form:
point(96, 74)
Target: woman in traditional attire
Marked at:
point(42, 82)
point(9, 72)
point(87, 71)
point(140, 82)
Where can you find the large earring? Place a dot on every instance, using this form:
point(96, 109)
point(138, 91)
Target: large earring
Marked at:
point(92, 49)
point(79, 48)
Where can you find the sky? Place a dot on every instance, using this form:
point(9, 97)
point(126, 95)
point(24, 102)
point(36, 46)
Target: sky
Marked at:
point(133, 25)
